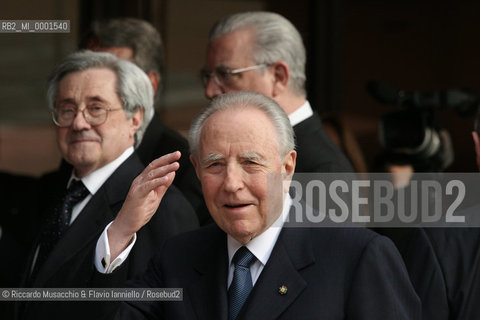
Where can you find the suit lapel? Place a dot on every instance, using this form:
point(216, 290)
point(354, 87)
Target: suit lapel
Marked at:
point(86, 228)
point(209, 293)
point(100, 210)
point(292, 252)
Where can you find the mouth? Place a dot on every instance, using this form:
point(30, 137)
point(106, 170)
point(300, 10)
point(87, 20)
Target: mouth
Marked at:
point(80, 140)
point(237, 206)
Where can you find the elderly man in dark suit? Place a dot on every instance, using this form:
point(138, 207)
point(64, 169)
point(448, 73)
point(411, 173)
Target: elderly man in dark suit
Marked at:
point(249, 265)
point(98, 103)
point(263, 52)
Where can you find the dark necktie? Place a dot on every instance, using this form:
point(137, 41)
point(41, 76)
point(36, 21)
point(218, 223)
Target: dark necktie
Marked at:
point(241, 283)
point(58, 222)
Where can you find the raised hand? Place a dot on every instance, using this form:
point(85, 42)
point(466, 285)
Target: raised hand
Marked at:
point(143, 199)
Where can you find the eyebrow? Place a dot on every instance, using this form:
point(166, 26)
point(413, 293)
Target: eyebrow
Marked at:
point(212, 157)
point(89, 99)
point(96, 98)
point(251, 156)
point(66, 100)
point(248, 156)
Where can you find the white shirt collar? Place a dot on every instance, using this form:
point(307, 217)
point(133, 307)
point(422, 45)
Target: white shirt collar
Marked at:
point(302, 113)
point(96, 179)
point(262, 245)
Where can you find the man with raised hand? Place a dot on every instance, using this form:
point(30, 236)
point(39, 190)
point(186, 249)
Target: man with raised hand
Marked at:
point(249, 265)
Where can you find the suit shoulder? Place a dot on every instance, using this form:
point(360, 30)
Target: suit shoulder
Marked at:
point(353, 243)
point(174, 198)
point(167, 134)
point(206, 235)
point(193, 242)
point(349, 236)
point(176, 211)
point(316, 151)
point(455, 245)
point(342, 246)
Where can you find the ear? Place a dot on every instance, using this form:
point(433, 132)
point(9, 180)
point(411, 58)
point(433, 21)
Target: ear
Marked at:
point(195, 165)
point(137, 119)
point(289, 162)
point(154, 80)
point(281, 73)
point(288, 169)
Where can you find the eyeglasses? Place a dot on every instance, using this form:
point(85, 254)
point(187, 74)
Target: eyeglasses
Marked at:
point(223, 77)
point(95, 114)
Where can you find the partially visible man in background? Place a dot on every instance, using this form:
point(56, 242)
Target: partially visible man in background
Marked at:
point(263, 52)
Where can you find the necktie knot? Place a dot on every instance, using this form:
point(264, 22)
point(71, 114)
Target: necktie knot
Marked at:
point(76, 192)
point(243, 257)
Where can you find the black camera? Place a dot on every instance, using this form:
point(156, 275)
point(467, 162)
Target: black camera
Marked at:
point(411, 135)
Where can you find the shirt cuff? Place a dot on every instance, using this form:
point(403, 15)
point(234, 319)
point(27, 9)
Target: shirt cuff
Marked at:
point(102, 253)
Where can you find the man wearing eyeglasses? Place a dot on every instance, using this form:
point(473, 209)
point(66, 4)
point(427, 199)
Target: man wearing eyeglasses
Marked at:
point(98, 104)
point(263, 52)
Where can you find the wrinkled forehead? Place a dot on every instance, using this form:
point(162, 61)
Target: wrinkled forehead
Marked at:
point(240, 125)
point(92, 82)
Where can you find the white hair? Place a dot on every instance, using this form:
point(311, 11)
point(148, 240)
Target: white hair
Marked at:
point(275, 39)
point(243, 99)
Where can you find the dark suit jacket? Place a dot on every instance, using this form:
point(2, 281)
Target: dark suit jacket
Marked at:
point(316, 152)
point(457, 251)
point(329, 274)
point(159, 140)
point(444, 265)
point(70, 264)
point(423, 267)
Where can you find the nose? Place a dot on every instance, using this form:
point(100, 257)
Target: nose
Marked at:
point(233, 179)
point(212, 89)
point(79, 122)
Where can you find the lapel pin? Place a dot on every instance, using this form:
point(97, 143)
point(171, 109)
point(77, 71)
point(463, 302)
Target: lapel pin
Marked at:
point(282, 290)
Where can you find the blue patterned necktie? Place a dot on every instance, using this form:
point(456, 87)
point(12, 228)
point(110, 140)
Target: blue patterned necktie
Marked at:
point(241, 283)
point(58, 222)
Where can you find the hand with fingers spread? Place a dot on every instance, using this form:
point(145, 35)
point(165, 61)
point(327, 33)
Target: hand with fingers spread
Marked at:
point(143, 199)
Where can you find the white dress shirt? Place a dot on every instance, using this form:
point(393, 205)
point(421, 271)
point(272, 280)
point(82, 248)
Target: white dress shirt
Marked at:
point(261, 246)
point(302, 113)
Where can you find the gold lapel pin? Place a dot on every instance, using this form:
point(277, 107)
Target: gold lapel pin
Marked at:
point(282, 290)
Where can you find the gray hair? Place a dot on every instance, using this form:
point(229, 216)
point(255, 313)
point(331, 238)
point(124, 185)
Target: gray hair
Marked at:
point(132, 86)
point(276, 39)
point(241, 100)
